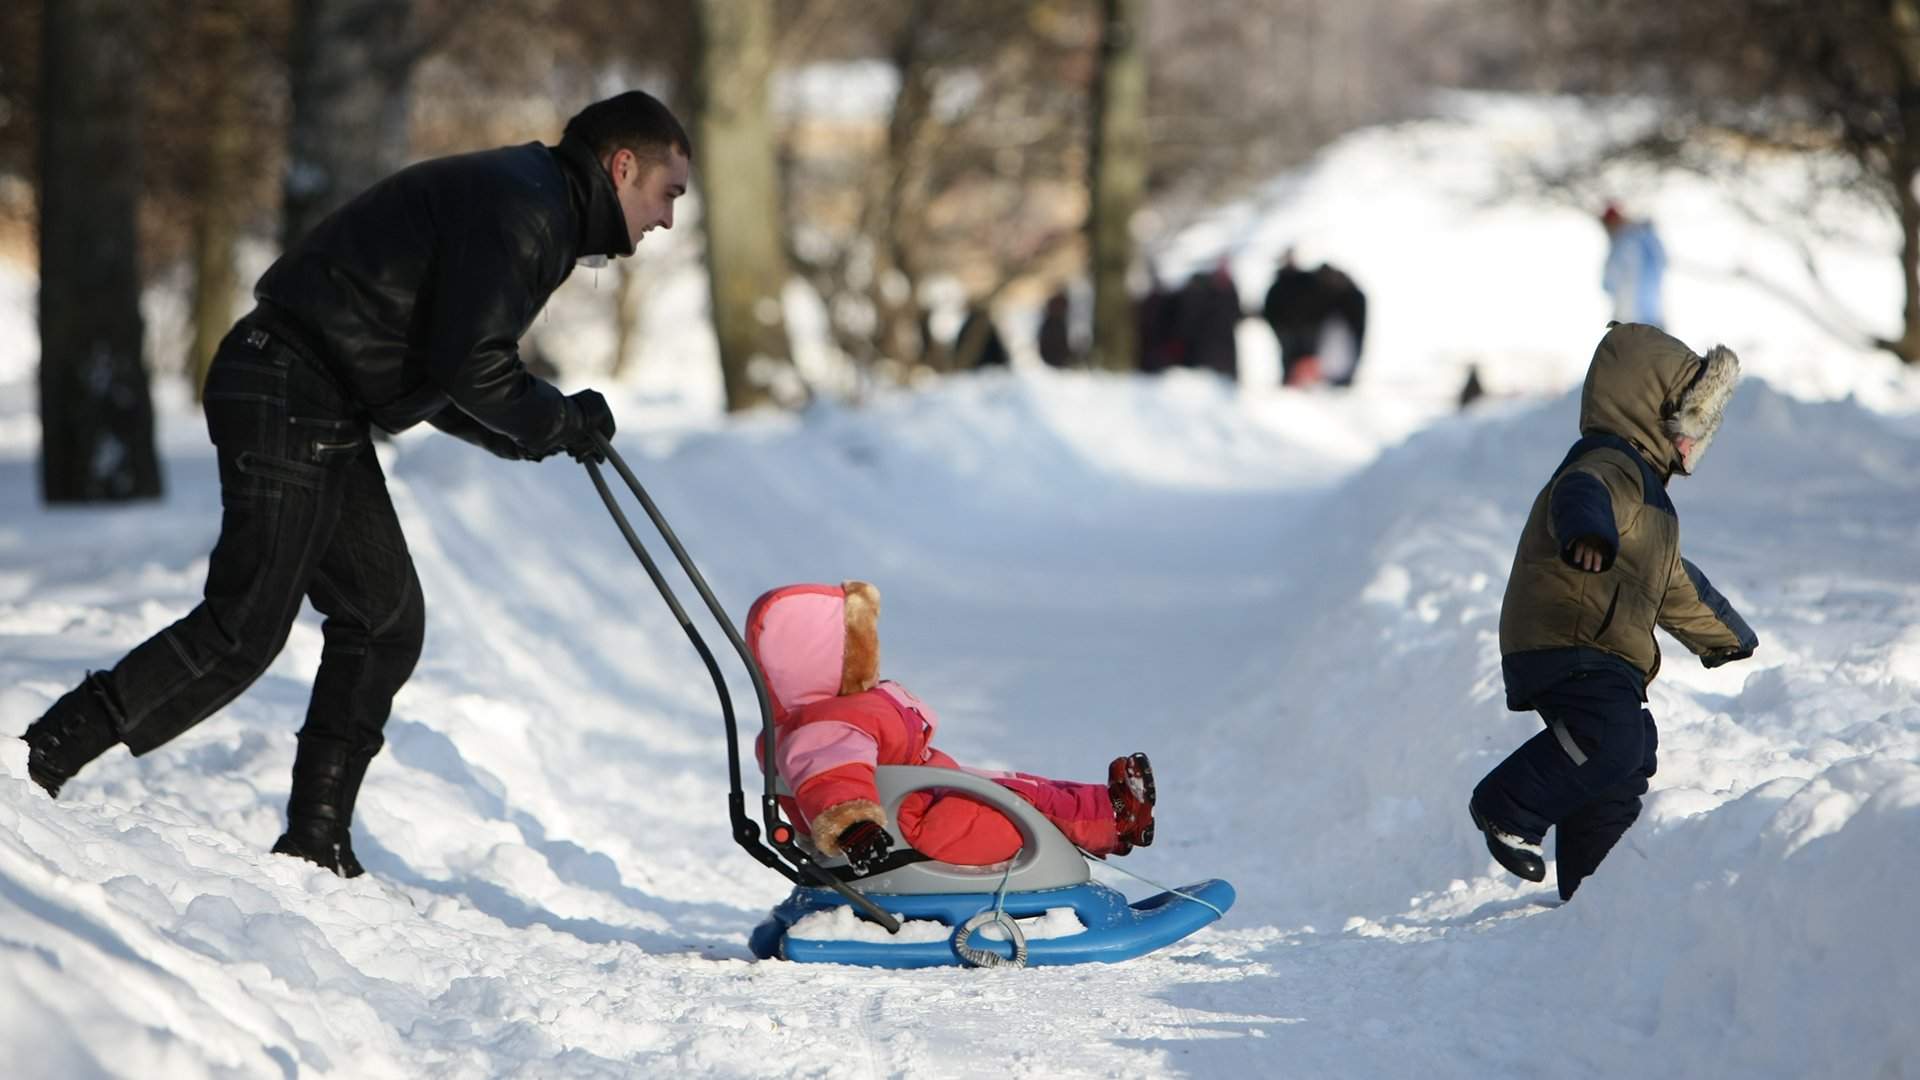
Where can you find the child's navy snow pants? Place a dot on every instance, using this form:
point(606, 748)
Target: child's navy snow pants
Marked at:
point(1583, 776)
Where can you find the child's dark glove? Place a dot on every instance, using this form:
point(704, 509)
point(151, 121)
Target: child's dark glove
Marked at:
point(865, 845)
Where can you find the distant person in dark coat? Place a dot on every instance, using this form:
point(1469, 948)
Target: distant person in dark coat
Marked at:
point(1055, 339)
point(978, 343)
point(1472, 391)
point(1206, 313)
point(1319, 317)
point(1343, 330)
point(1159, 348)
point(1292, 309)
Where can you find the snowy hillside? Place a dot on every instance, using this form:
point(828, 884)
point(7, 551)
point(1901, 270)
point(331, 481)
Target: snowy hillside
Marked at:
point(1288, 599)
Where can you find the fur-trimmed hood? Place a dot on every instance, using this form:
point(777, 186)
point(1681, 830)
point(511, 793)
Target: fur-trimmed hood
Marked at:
point(814, 642)
point(1648, 387)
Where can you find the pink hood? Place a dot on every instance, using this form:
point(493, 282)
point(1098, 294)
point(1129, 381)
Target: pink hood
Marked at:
point(814, 642)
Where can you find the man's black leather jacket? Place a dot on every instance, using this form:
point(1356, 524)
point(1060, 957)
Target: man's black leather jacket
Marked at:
point(416, 293)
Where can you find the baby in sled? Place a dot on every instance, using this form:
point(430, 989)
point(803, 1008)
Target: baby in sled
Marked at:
point(835, 720)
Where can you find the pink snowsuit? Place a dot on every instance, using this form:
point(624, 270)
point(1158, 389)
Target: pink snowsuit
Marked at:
point(818, 646)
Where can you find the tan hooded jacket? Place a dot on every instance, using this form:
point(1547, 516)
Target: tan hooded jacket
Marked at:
point(1558, 619)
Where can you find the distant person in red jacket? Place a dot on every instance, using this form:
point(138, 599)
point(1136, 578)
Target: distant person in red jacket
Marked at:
point(835, 720)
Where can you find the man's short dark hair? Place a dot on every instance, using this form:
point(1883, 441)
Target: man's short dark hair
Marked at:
point(636, 121)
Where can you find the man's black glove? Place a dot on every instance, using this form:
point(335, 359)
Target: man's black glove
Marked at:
point(587, 415)
point(865, 845)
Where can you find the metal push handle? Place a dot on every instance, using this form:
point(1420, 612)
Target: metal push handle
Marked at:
point(798, 866)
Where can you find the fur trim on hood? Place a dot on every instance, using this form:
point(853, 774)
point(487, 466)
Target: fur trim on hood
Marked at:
point(1703, 404)
point(814, 642)
point(1646, 386)
point(860, 663)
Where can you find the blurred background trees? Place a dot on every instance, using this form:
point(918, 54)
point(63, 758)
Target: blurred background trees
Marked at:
point(895, 167)
point(1734, 81)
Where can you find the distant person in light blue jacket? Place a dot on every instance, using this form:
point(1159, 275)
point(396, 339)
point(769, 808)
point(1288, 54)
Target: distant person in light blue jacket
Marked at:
point(1636, 262)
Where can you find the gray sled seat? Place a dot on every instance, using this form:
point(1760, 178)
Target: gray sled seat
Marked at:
point(1046, 859)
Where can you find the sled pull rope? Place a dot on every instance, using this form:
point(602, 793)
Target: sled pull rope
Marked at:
point(1182, 893)
point(962, 938)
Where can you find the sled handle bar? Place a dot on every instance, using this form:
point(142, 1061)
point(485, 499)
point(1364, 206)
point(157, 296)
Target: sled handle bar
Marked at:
point(804, 870)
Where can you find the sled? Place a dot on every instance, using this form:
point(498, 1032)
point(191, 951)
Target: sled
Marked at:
point(978, 906)
point(964, 906)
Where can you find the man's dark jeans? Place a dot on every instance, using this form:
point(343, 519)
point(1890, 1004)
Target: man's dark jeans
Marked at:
point(305, 514)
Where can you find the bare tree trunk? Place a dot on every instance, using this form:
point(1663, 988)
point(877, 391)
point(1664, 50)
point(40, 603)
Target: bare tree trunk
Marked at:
point(95, 411)
point(1119, 166)
point(898, 211)
point(746, 260)
point(216, 276)
point(216, 225)
point(626, 314)
point(351, 74)
point(1907, 346)
point(1905, 17)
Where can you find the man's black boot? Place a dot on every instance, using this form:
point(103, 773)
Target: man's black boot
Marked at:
point(326, 781)
point(79, 728)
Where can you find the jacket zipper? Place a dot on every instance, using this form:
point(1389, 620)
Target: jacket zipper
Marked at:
point(1607, 619)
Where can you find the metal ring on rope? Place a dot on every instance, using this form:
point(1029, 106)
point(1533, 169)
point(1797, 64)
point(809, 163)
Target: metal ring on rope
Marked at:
point(963, 947)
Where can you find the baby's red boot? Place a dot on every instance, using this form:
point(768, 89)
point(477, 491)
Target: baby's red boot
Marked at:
point(1130, 786)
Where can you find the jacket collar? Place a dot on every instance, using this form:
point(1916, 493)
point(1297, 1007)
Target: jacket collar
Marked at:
point(1653, 479)
point(1661, 465)
point(603, 228)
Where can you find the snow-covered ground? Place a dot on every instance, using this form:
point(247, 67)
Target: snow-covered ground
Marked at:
point(1288, 599)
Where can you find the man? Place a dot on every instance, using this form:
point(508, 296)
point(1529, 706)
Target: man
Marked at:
point(404, 305)
point(1294, 310)
point(1343, 328)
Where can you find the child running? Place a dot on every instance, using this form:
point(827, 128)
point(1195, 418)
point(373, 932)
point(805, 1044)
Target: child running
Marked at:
point(1597, 569)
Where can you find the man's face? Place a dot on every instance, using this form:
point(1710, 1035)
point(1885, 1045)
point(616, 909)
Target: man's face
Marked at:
point(647, 189)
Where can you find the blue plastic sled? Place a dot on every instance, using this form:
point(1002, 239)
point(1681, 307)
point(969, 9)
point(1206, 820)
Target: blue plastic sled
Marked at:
point(1047, 873)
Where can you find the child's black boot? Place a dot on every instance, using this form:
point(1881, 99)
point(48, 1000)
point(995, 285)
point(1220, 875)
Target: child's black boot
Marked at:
point(1521, 857)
